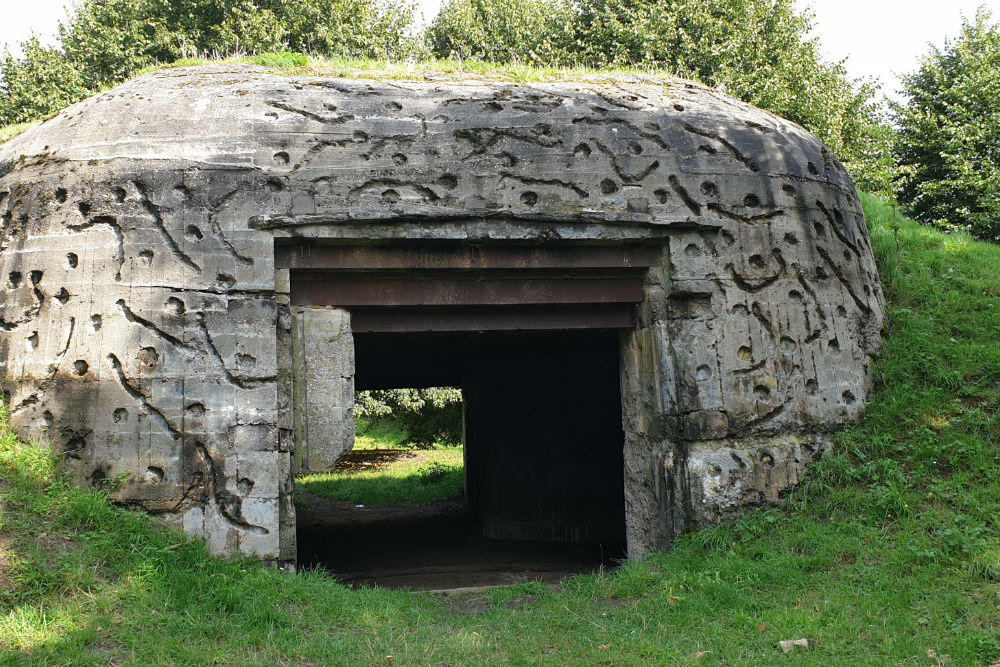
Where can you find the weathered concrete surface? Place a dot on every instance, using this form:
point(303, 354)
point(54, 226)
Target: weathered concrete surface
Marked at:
point(145, 331)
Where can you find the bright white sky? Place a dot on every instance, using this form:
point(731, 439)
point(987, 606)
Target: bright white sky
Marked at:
point(879, 38)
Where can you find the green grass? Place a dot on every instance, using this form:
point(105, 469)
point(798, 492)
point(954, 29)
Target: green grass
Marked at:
point(382, 471)
point(8, 132)
point(889, 553)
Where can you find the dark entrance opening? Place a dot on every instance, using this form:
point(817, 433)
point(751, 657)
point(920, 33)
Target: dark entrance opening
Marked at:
point(531, 332)
point(544, 464)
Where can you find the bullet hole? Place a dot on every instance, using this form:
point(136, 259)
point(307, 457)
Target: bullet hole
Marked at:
point(148, 357)
point(841, 311)
point(195, 410)
point(791, 238)
point(661, 195)
point(271, 114)
point(245, 362)
point(820, 230)
point(329, 106)
point(834, 345)
point(119, 415)
point(848, 397)
point(848, 256)
point(61, 195)
point(692, 250)
point(529, 198)
point(274, 185)
point(744, 353)
point(80, 367)
point(95, 322)
point(710, 189)
point(751, 200)
point(193, 233)
point(32, 341)
point(582, 150)
point(182, 193)
point(35, 277)
point(608, 186)
point(821, 273)
point(175, 306)
point(795, 295)
point(761, 392)
point(120, 194)
point(788, 345)
point(740, 310)
point(244, 486)
point(705, 148)
point(756, 261)
point(390, 196)
point(393, 106)
point(812, 169)
point(84, 208)
point(703, 373)
point(281, 157)
point(14, 278)
point(448, 182)
point(324, 186)
point(225, 281)
point(147, 257)
point(74, 444)
point(868, 290)
point(72, 260)
point(154, 474)
point(399, 159)
point(48, 418)
point(788, 190)
point(727, 237)
point(98, 477)
point(62, 296)
point(635, 148)
point(678, 107)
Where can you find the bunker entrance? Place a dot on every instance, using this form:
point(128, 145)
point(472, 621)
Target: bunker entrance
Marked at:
point(543, 445)
point(532, 336)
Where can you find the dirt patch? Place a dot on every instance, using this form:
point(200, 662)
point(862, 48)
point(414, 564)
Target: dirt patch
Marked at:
point(6, 585)
point(369, 460)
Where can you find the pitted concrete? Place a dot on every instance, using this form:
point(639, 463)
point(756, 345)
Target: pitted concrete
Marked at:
point(146, 334)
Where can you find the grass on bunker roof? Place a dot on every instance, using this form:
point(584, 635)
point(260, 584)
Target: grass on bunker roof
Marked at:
point(889, 552)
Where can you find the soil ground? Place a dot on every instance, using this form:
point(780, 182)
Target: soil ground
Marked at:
point(435, 546)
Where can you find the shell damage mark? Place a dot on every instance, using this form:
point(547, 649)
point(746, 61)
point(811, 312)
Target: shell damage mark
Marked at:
point(765, 322)
point(843, 279)
point(836, 221)
point(326, 120)
point(131, 316)
point(213, 220)
point(627, 178)
point(528, 180)
point(747, 161)
point(483, 138)
point(632, 127)
point(111, 222)
point(213, 351)
point(140, 397)
point(230, 505)
point(682, 192)
point(157, 216)
point(739, 217)
point(748, 286)
point(379, 183)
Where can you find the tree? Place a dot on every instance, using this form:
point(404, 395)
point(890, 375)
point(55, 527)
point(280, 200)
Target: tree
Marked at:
point(39, 83)
point(948, 145)
point(758, 50)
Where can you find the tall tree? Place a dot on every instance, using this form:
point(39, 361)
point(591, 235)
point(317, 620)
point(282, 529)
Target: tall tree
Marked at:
point(948, 145)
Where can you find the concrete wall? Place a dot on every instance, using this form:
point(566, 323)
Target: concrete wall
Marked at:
point(145, 332)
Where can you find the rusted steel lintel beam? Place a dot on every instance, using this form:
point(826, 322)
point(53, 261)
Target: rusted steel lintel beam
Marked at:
point(349, 292)
point(312, 256)
point(499, 318)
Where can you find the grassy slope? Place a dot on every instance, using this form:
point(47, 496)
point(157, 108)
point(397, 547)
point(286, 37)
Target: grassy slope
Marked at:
point(891, 549)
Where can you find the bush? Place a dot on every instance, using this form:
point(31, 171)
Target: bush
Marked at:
point(949, 133)
point(429, 415)
point(757, 50)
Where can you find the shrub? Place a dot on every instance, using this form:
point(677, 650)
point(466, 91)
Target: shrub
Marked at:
point(949, 133)
point(429, 415)
point(38, 84)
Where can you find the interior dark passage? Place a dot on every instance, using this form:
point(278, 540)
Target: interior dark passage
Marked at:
point(543, 454)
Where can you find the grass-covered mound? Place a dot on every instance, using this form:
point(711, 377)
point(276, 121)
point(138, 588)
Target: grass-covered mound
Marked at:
point(888, 554)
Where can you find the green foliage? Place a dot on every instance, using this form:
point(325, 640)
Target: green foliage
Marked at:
point(38, 84)
point(757, 50)
point(948, 144)
point(428, 415)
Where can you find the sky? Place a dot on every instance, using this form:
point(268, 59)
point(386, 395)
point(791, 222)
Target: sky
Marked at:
point(879, 38)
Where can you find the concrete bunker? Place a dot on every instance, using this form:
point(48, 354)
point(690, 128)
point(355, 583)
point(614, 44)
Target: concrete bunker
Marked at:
point(202, 264)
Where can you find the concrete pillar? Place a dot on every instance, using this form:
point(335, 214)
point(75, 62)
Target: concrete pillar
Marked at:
point(322, 387)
